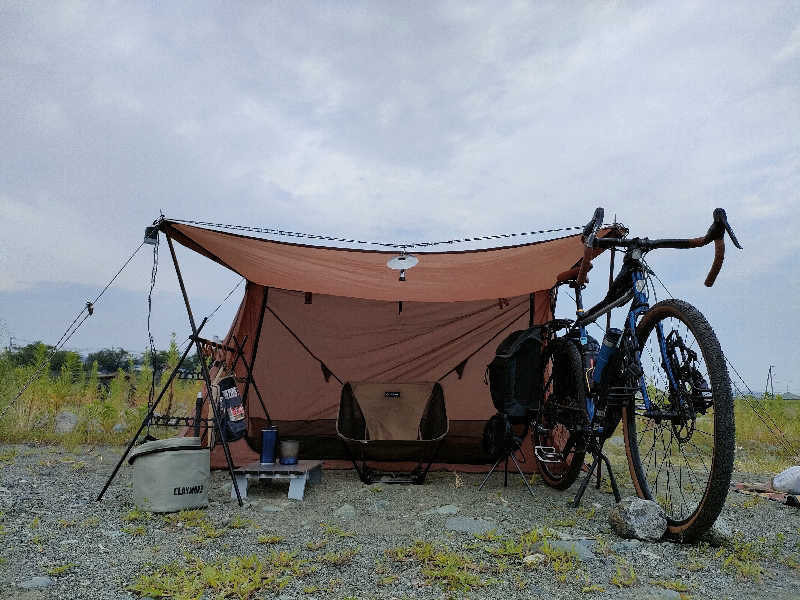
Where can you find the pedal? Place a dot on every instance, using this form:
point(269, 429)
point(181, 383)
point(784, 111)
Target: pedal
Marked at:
point(548, 454)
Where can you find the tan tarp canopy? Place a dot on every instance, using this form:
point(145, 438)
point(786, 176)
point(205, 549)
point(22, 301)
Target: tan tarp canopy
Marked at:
point(335, 315)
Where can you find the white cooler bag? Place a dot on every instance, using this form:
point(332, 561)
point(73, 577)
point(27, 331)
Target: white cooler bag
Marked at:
point(170, 475)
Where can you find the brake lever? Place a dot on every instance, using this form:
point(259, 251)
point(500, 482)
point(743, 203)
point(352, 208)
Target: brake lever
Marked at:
point(719, 227)
point(729, 229)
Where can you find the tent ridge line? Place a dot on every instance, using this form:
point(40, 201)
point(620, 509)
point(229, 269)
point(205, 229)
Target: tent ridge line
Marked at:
point(173, 225)
point(393, 245)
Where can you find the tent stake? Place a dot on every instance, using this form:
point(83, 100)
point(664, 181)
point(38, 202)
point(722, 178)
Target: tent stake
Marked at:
point(147, 418)
point(206, 375)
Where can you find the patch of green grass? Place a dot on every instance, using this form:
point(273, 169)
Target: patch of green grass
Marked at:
point(8, 456)
point(136, 514)
point(60, 570)
point(336, 531)
point(137, 531)
point(187, 518)
point(455, 571)
point(206, 532)
point(567, 522)
point(239, 522)
point(591, 588)
point(625, 575)
point(561, 561)
point(489, 536)
point(35, 523)
point(269, 539)
point(66, 523)
point(375, 489)
point(752, 501)
point(238, 577)
point(387, 580)
point(339, 558)
point(518, 548)
point(314, 546)
point(741, 558)
point(90, 522)
point(508, 548)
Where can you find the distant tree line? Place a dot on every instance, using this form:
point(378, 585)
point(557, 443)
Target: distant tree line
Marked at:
point(109, 360)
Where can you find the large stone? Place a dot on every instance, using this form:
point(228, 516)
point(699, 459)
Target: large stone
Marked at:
point(346, 512)
point(637, 518)
point(36, 583)
point(468, 525)
point(66, 421)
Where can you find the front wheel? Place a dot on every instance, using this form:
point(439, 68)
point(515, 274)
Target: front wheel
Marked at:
point(681, 449)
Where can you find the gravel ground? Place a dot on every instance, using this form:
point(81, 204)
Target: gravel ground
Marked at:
point(50, 520)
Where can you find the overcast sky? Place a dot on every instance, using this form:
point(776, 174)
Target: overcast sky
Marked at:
point(397, 121)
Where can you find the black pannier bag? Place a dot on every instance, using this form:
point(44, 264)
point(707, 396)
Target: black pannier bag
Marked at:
point(234, 424)
point(515, 371)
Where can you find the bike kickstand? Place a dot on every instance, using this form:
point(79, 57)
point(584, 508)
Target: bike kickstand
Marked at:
point(611, 477)
point(576, 502)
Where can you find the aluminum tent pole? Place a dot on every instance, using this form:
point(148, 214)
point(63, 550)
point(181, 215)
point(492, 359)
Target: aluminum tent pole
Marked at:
point(204, 368)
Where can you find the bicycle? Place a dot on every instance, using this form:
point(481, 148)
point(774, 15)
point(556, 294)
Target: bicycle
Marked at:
point(663, 375)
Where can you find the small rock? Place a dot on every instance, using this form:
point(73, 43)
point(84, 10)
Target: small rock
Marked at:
point(627, 547)
point(66, 421)
point(36, 583)
point(636, 518)
point(467, 525)
point(447, 509)
point(534, 559)
point(346, 512)
point(118, 428)
point(271, 508)
point(719, 534)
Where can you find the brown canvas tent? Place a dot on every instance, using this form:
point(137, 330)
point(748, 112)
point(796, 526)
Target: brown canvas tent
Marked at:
point(318, 317)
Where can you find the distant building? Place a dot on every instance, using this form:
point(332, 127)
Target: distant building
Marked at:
point(790, 396)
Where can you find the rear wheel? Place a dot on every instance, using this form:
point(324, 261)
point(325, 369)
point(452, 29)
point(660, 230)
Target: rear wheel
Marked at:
point(680, 453)
point(562, 414)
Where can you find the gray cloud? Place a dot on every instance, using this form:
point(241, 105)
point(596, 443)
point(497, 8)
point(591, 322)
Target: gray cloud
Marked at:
point(396, 121)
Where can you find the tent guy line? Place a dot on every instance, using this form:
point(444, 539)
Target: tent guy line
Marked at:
point(73, 327)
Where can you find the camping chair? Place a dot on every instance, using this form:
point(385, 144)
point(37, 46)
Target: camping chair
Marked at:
point(390, 422)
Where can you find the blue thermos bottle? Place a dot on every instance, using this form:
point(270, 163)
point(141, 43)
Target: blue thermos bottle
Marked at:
point(269, 440)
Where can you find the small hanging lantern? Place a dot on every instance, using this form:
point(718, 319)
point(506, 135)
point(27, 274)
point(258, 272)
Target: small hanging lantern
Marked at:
point(401, 263)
